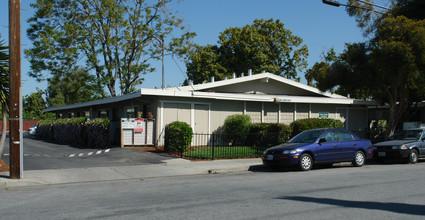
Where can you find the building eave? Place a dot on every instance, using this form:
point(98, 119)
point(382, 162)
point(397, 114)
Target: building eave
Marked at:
point(261, 76)
point(95, 102)
point(254, 97)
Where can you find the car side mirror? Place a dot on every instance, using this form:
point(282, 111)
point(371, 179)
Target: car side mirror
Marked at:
point(322, 140)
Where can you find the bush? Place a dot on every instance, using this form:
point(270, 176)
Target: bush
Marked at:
point(69, 130)
point(77, 131)
point(97, 133)
point(301, 125)
point(45, 129)
point(269, 134)
point(178, 136)
point(236, 127)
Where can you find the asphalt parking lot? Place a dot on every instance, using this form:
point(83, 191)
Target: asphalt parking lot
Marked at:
point(40, 154)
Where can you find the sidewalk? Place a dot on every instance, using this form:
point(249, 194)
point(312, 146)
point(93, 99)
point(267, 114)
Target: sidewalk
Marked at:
point(171, 167)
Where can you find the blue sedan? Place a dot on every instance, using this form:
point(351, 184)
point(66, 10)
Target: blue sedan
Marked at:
point(326, 146)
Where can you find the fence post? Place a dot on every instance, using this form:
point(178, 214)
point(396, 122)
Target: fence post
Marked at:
point(213, 145)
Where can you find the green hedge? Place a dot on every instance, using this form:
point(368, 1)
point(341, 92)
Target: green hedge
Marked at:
point(269, 134)
point(76, 131)
point(69, 130)
point(178, 136)
point(97, 133)
point(237, 127)
point(301, 125)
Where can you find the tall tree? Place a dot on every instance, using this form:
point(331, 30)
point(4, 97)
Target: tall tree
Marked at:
point(73, 87)
point(264, 45)
point(116, 38)
point(34, 105)
point(4, 91)
point(390, 68)
point(368, 14)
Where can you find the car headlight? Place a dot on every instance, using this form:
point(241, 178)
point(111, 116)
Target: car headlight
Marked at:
point(289, 152)
point(402, 147)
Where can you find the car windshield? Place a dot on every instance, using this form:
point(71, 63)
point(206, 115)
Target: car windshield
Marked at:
point(306, 137)
point(407, 135)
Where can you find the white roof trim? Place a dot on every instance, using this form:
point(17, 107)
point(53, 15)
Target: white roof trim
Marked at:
point(193, 92)
point(95, 102)
point(256, 77)
point(252, 97)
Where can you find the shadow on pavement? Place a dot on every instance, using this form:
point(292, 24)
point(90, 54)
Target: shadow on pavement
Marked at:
point(411, 209)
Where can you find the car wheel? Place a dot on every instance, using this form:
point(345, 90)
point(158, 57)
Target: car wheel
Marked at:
point(359, 159)
point(413, 156)
point(306, 162)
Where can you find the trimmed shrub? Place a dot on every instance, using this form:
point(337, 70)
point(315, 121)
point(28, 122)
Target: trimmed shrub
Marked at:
point(178, 136)
point(69, 130)
point(236, 127)
point(45, 129)
point(76, 131)
point(301, 125)
point(269, 134)
point(97, 133)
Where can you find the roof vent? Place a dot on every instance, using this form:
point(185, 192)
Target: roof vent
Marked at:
point(190, 83)
point(242, 74)
point(212, 78)
point(263, 71)
point(234, 75)
point(225, 78)
point(249, 72)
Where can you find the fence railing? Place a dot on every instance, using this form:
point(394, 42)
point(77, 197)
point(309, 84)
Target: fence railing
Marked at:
point(221, 146)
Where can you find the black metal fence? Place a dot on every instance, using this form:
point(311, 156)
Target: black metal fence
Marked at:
point(222, 146)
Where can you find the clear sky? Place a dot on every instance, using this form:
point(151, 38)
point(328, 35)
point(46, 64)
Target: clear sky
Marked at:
point(320, 26)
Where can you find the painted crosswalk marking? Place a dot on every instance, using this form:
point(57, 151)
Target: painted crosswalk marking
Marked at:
point(69, 156)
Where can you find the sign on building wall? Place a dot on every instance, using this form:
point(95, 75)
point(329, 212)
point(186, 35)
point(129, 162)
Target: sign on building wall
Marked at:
point(137, 132)
point(323, 114)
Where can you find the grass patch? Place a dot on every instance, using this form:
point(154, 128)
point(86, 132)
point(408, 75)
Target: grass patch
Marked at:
point(223, 152)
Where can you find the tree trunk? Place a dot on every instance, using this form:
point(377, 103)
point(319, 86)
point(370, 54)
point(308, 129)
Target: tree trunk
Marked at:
point(4, 129)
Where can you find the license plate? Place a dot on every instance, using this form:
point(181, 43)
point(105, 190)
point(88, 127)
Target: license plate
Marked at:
point(381, 154)
point(269, 157)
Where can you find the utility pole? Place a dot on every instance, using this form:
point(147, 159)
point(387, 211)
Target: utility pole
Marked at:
point(15, 87)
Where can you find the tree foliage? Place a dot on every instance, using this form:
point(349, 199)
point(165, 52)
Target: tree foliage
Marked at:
point(34, 105)
point(263, 46)
point(116, 39)
point(390, 68)
point(4, 90)
point(73, 87)
point(368, 15)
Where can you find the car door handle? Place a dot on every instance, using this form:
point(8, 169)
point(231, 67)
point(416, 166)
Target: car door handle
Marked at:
point(335, 145)
point(355, 144)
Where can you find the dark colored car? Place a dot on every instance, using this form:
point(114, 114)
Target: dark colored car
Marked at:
point(325, 146)
point(406, 145)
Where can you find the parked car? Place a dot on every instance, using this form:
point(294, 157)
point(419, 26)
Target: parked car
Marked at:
point(406, 145)
point(326, 146)
point(32, 130)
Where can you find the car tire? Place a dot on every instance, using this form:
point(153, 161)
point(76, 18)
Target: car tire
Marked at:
point(359, 159)
point(413, 156)
point(306, 162)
